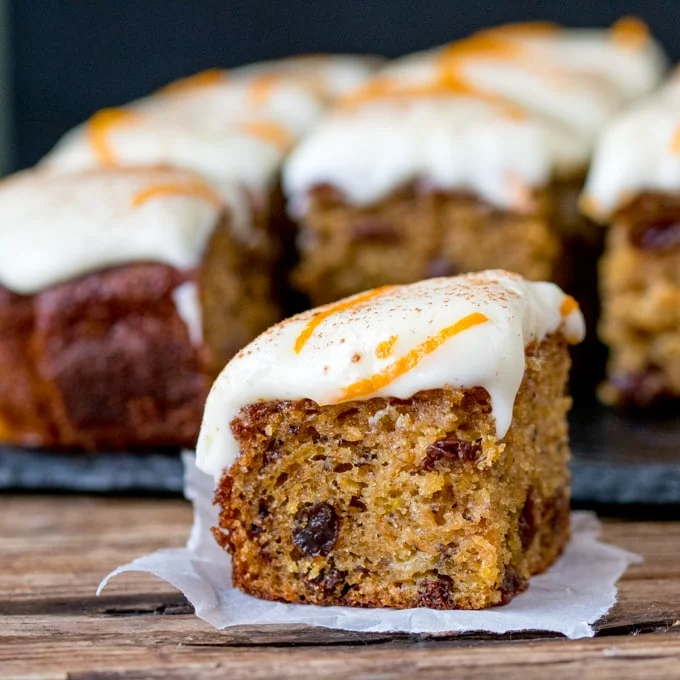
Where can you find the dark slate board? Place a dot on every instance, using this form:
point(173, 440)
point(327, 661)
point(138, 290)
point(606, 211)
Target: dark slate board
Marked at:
point(617, 459)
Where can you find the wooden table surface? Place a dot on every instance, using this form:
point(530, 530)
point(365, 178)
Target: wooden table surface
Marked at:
point(54, 551)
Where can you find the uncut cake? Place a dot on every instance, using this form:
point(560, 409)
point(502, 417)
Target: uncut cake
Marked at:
point(465, 157)
point(634, 187)
point(405, 447)
point(121, 296)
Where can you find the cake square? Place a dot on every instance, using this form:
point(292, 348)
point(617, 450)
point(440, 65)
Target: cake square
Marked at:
point(425, 470)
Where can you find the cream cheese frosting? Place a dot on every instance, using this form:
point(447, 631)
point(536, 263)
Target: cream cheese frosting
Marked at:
point(639, 151)
point(230, 126)
point(58, 227)
point(394, 341)
point(497, 114)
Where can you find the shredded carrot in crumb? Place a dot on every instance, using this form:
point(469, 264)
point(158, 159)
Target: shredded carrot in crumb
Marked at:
point(630, 32)
point(99, 128)
point(198, 189)
point(202, 79)
point(367, 386)
point(568, 306)
point(384, 349)
point(320, 317)
point(270, 132)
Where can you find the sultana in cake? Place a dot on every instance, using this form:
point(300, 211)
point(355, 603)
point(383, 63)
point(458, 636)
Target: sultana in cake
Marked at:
point(634, 187)
point(405, 447)
point(121, 296)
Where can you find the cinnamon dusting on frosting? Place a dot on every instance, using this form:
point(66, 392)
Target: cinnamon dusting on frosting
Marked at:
point(329, 310)
point(366, 386)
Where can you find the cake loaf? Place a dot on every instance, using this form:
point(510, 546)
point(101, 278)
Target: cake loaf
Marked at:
point(463, 158)
point(405, 447)
point(122, 293)
point(634, 187)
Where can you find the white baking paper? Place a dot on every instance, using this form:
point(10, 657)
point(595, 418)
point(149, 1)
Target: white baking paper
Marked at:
point(568, 599)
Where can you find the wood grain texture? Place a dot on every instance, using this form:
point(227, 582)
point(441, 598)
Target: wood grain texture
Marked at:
point(54, 551)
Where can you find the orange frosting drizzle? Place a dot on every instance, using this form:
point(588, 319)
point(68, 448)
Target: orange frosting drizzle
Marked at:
point(320, 317)
point(525, 29)
point(568, 306)
point(204, 78)
point(630, 32)
point(410, 360)
point(100, 126)
point(384, 349)
point(270, 132)
point(675, 142)
point(197, 188)
point(495, 44)
point(262, 86)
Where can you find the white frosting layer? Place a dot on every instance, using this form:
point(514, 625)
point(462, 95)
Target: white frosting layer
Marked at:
point(344, 347)
point(232, 127)
point(639, 152)
point(331, 75)
point(57, 227)
point(188, 306)
point(533, 110)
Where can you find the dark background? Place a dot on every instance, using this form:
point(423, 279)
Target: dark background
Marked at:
point(71, 57)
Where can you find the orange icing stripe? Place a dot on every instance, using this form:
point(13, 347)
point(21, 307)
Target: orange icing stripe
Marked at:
point(320, 317)
point(198, 189)
point(630, 32)
point(270, 132)
point(675, 142)
point(568, 306)
point(384, 349)
point(99, 128)
point(410, 360)
point(208, 77)
point(261, 87)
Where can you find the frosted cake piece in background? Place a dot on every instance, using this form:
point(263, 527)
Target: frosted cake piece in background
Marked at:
point(634, 187)
point(462, 158)
point(121, 296)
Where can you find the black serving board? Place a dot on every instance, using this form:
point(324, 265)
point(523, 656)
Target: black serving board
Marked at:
point(617, 459)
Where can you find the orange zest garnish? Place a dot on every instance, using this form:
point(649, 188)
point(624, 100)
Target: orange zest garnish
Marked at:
point(675, 142)
point(568, 306)
point(261, 87)
point(269, 132)
point(630, 32)
point(197, 188)
point(384, 349)
point(208, 77)
point(367, 386)
point(320, 317)
point(100, 126)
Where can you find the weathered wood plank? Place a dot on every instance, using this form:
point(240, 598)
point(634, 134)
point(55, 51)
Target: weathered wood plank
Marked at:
point(54, 551)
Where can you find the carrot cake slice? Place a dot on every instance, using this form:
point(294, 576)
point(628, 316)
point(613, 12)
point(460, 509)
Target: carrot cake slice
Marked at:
point(634, 187)
point(462, 158)
point(121, 296)
point(405, 447)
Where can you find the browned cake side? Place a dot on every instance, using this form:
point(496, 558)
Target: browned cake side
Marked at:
point(640, 287)
point(416, 234)
point(401, 503)
point(106, 362)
